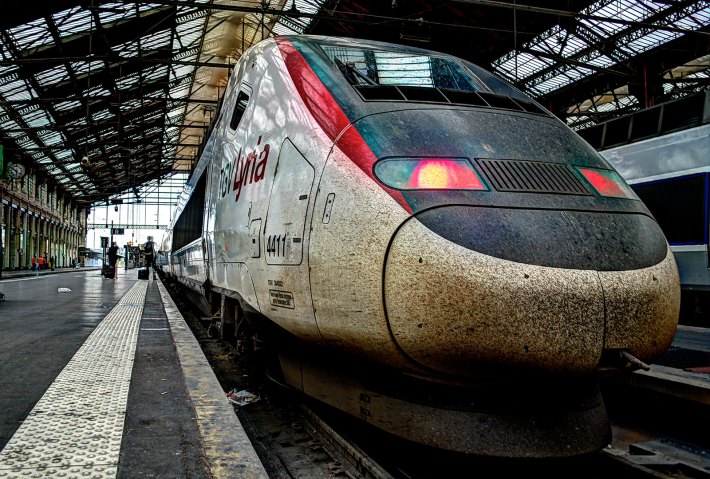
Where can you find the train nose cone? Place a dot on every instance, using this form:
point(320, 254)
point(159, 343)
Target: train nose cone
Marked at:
point(457, 310)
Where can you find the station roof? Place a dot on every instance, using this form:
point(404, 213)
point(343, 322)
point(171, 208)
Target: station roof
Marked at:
point(107, 97)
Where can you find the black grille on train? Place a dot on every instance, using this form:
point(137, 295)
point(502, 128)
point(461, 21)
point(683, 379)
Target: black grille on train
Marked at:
point(532, 177)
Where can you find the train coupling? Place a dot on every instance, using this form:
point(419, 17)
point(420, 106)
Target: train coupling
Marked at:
point(634, 360)
point(616, 360)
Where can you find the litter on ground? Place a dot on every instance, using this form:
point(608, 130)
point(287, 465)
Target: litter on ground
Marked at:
point(241, 398)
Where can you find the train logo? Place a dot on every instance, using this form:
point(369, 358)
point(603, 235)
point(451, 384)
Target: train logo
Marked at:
point(244, 170)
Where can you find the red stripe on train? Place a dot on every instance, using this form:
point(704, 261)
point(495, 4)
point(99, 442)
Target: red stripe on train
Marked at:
point(329, 116)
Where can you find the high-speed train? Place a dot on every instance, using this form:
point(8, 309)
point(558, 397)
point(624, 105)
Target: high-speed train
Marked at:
point(451, 263)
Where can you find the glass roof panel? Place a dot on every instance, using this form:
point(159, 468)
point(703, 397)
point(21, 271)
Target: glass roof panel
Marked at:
point(97, 91)
point(620, 102)
point(559, 41)
point(63, 154)
point(102, 115)
point(181, 71)
point(527, 64)
point(67, 105)
point(128, 81)
point(52, 76)
point(602, 28)
point(290, 25)
point(570, 45)
point(25, 141)
point(156, 40)
point(52, 138)
point(157, 72)
point(130, 105)
point(111, 12)
point(601, 61)
point(190, 32)
point(651, 40)
point(552, 84)
point(16, 90)
point(9, 124)
point(37, 119)
point(8, 74)
point(31, 35)
point(93, 67)
point(73, 20)
point(127, 49)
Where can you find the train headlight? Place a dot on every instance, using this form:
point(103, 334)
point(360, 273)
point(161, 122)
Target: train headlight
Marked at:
point(608, 183)
point(428, 174)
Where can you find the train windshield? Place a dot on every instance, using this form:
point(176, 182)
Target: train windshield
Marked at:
point(379, 67)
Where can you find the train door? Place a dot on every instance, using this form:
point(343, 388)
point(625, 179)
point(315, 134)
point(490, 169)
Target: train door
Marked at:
point(286, 241)
point(285, 220)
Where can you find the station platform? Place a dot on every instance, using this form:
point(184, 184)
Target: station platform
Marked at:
point(103, 378)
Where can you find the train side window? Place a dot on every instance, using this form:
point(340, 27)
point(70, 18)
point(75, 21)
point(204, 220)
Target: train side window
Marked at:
point(239, 107)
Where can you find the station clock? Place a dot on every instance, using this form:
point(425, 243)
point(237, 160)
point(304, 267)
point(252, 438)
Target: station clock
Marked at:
point(15, 170)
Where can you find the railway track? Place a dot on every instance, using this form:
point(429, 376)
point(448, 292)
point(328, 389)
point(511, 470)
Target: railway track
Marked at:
point(297, 439)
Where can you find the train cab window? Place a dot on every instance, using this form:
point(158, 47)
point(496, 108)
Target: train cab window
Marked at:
point(405, 69)
point(239, 107)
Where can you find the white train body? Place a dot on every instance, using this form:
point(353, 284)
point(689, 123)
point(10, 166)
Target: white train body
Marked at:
point(301, 232)
point(453, 284)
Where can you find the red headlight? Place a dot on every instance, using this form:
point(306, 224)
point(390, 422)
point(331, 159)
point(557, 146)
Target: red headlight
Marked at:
point(428, 174)
point(608, 183)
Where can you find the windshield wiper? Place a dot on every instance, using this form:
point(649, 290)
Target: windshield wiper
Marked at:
point(350, 72)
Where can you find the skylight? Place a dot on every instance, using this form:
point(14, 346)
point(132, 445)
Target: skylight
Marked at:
point(534, 68)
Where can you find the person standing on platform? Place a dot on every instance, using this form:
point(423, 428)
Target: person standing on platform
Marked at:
point(34, 262)
point(149, 251)
point(113, 258)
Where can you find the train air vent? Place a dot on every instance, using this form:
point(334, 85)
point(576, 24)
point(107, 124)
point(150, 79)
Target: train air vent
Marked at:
point(379, 92)
point(532, 177)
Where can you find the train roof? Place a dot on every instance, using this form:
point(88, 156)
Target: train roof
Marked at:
point(361, 43)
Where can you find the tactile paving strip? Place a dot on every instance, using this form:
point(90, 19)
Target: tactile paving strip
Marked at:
point(75, 429)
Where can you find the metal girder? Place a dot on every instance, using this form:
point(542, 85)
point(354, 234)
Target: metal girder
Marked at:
point(583, 58)
point(114, 33)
